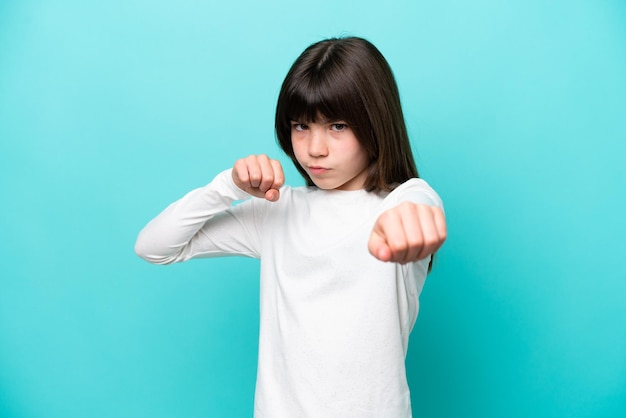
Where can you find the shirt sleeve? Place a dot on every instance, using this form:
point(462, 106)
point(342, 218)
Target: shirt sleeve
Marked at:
point(204, 223)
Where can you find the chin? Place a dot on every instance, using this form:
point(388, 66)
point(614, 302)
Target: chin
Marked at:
point(324, 186)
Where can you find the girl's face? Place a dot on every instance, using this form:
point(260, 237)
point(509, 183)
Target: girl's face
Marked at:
point(330, 153)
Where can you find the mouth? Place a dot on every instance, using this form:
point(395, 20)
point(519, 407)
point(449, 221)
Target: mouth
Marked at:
point(317, 170)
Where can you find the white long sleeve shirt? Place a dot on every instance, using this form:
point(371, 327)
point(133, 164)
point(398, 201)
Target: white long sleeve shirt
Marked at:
point(335, 321)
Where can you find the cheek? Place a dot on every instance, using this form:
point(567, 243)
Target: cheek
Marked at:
point(356, 152)
point(297, 148)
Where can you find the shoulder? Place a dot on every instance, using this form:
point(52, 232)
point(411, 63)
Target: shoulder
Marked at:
point(415, 190)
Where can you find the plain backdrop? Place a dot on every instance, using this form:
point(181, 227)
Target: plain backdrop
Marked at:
point(111, 110)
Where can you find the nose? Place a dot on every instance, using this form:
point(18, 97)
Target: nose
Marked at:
point(317, 143)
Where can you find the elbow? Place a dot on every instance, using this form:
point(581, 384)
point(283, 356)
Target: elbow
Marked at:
point(140, 250)
point(145, 252)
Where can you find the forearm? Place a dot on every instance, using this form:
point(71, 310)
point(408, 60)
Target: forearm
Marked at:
point(168, 237)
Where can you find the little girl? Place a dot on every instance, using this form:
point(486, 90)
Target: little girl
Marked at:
point(343, 260)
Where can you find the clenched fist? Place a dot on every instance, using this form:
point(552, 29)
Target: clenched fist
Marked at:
point(259, 176)
point(408, 232)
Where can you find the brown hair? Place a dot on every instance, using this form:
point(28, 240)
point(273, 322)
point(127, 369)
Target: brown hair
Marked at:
point(348, 79)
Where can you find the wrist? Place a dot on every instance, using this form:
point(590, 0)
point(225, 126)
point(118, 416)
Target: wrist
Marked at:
point(227, 183)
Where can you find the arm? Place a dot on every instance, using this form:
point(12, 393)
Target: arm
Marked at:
point(205, 224)
point(413, 228)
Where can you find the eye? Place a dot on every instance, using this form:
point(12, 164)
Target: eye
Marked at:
point(298, 126)
point(338, 127)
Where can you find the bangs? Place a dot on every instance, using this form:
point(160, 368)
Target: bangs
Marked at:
point(317, 99)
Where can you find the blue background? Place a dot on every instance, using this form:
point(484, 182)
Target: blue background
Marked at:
point(109, 111)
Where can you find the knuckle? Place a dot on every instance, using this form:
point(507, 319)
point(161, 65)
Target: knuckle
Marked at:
point(397, 245)
point(406, 207)
point(431, 242)
point(240, 163)
point(416, 241)
point(386, 216)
